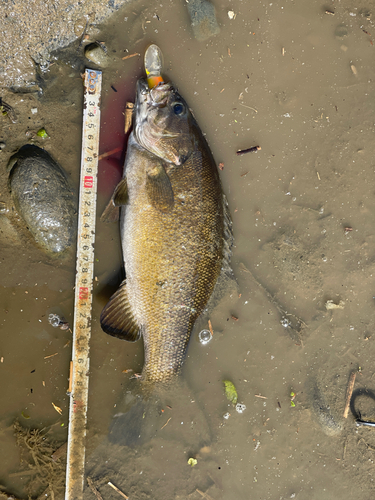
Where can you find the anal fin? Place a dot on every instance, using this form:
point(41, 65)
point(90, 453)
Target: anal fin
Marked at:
point(117, 318)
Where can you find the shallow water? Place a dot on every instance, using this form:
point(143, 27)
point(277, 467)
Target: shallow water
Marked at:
point(298, 82)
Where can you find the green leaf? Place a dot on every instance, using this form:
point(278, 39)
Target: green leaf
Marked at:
point(42, 133)
point(192, 461)
point(292, 404)
point(230, 391)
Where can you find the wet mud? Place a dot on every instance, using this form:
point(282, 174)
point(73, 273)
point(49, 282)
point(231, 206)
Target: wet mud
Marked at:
point(303, 219)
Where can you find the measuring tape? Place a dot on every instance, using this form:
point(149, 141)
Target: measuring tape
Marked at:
point(83, 288)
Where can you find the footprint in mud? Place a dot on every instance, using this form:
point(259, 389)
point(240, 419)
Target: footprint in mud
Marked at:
point(43, 198)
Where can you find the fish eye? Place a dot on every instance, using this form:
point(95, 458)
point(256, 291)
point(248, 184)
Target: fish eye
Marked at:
point(178, 108)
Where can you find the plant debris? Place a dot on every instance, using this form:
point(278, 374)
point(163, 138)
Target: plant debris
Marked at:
point(47, 477)
point(230, 392)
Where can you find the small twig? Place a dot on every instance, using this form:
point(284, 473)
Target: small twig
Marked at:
point(259, 396)
point(349, 392)
point(109, 153)
point(50, 356)
point(70, 377)
point(129, 107)
point(204, 495)
point(131, 55)
point(90, 482)
point(118, 491)
point(210, 327)
point(27, 472)
point(83, 36)
point(166, 423)
point(60, 452)
point(249, 107)
point(249, 150)
point(366, 444)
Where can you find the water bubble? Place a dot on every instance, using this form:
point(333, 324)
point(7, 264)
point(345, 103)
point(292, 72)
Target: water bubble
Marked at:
point(204, 336)
point(285, 322)
point(54, 320)
point(57, 322)
point(240, 408)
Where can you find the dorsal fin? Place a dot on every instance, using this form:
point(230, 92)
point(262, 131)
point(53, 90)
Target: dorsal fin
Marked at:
point(117, 318)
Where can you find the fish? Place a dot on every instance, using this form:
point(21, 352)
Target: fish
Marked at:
point(176, 232)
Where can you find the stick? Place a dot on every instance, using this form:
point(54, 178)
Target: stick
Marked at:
point(204, 495)
point(118, 491)
point(131, 55)
point(210, 327)
point(90, 482)
point(349, 392)
point(129, 106)
point(60, 452)
point(109, 153)
point(166, 423)
point(249, 150)
point(70, 378)
point(50, 356)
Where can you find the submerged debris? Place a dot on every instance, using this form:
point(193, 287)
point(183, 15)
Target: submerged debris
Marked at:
point(203, 19)
point(230, 392)
point(47, 477)
point(331, 305)
point(7, 110)
point(129, 107)
point(42, 133)
point(97, 54)
point(254, 149)
point(330, 425)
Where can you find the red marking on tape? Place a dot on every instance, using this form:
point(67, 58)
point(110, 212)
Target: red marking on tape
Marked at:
point(88, 181)
point(83, 293)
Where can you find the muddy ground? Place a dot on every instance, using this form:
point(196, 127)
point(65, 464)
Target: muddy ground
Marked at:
point(296, 79)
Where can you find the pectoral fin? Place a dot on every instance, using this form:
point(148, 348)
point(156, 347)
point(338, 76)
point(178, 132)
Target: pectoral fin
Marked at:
point(159, 189)
point(117, 317)
point(120, 197)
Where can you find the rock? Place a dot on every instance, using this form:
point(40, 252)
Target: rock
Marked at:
point(43, 198)
point(29, 35)
point(95, 52)
point(203, 19)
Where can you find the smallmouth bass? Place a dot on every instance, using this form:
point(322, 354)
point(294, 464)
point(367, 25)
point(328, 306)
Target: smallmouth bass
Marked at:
point(175, 231)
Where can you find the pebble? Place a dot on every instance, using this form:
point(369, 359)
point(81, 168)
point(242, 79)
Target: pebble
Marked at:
point(97, 54)
point(203, 19)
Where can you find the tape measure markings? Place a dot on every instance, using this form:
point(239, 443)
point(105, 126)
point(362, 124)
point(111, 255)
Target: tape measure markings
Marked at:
point(83, 286)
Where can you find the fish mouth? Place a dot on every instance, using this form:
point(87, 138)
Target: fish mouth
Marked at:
point(156, 97)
